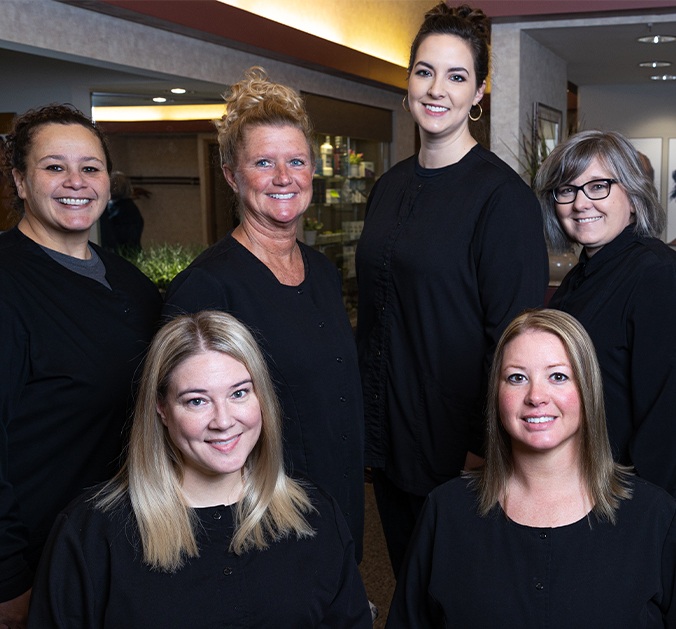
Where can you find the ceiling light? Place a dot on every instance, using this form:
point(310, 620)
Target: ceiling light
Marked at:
point(180, 90)
point(656, 39)
point(663, 77)
point(159, 99)
point(655, 64)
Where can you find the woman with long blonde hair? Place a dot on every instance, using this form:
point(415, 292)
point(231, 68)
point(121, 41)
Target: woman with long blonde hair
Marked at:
point(202, 526)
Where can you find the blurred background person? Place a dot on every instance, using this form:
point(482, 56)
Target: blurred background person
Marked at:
point(202, 527)
point(122, 222)
point(452, 250)
point(550, 531)
point(595, 193)
point(75, 320)
point(288, 294)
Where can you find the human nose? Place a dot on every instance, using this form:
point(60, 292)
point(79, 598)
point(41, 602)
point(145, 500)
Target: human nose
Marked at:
point(581, 200)
point(221, 419)
point(282, 177)
point(536, 394)
point(436, 90)
point(74, 179)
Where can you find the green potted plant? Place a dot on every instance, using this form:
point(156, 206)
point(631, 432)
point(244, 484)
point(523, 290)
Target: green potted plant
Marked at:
point(355, 160)
point(310, 228)
point(162, 262)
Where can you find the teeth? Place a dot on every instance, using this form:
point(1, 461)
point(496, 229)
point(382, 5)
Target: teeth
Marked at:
point(224, 441)
point(282, 197)
point(436, 109)
point(70, 201)
point(539, 420)
point(588, 220)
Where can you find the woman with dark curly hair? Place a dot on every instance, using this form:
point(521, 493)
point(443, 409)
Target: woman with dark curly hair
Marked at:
point(74, 320)
point(452, 250)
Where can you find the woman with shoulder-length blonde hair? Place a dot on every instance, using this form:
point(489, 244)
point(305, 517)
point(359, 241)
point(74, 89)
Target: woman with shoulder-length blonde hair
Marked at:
point(202, 519)
point(549, 528)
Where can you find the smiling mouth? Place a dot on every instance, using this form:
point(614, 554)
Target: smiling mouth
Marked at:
point(436, 109)
point(73, 201)
point(283, 197)
point(591, 219)
point(223, 442)
point(539, 420)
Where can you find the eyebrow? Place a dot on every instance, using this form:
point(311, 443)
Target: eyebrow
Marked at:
point(64, 158)
point(236, 385)
point(554, 366)
point(453, 69)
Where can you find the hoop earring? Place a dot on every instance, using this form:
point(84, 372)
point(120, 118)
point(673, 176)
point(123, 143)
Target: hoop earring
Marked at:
point(481, 112)
point(403, 103)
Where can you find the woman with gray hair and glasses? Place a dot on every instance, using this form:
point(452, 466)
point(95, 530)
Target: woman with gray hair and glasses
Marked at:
point(595, 193)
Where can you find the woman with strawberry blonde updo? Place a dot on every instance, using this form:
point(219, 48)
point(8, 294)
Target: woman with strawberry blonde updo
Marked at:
point(289, 294)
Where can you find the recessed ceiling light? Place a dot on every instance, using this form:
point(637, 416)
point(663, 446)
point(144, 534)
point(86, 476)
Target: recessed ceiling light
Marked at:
point(655, 64)
point(159, 99)
point(663, 77)
point(177, 90)
point(657, 39)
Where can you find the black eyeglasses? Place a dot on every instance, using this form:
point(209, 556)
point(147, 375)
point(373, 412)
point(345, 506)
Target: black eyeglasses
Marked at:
point(595, 190)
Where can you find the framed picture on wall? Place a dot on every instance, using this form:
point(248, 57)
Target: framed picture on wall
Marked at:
point(652, 149)
point(671, 192)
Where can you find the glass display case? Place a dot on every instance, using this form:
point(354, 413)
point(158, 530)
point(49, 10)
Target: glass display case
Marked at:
point(346, 170)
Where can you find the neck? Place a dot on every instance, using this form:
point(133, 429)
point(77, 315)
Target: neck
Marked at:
point(546, 490)
point(226, 491)
point(439, 152)
point(74, 244)
point(278, 243)
point(278, 250)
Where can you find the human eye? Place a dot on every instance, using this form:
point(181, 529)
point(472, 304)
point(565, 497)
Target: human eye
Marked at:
point(263, 163)
point(298, 162)
point(195, 402)
point(424, 72)
point(57, 168)
point(559, 377)
point(598, 186)
point(241, 393)
point(457, 78)
point(564, 191)
point(516, 378)
point(91, 169)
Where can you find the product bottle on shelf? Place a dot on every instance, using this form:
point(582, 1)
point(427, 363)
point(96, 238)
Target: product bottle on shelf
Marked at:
point(327, 158)
point(340, 158)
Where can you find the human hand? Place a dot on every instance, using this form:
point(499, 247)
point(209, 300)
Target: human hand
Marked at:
point(14, 613)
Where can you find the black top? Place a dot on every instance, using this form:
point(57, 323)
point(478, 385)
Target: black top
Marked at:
point(70, 349)
point(464, 570)
point(92, 577)
point(625, 296)
point(307, 340)
point(448, 257)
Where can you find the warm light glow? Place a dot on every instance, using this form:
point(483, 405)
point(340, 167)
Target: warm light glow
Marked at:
point(149, 113)
point(178, 90)
point(348, 23)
